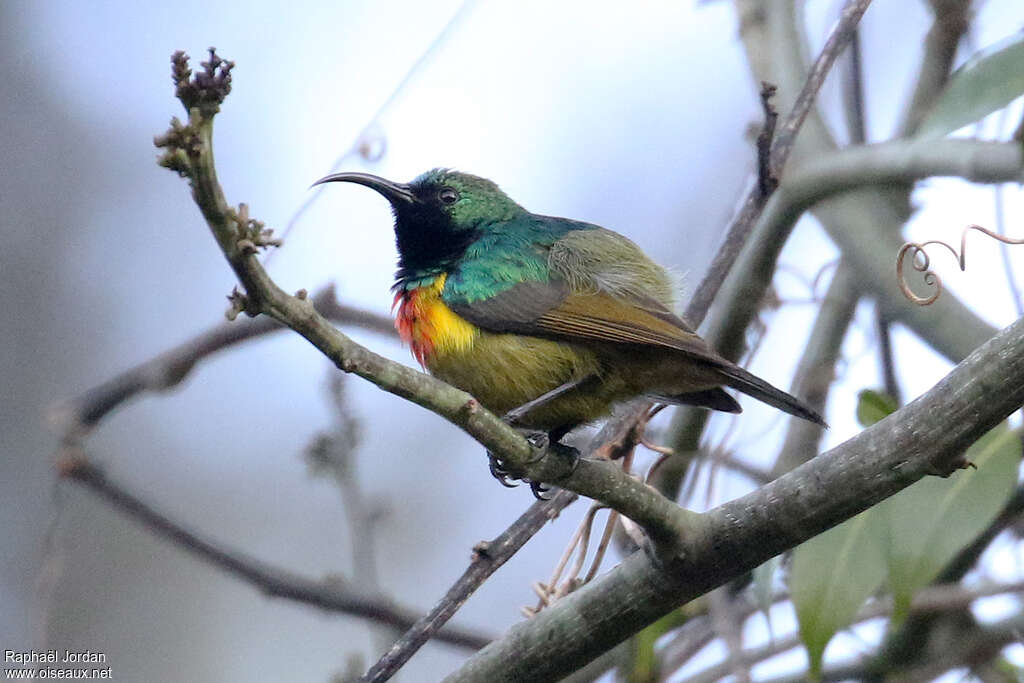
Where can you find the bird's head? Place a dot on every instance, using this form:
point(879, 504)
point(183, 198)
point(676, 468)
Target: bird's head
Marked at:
point(438, 214)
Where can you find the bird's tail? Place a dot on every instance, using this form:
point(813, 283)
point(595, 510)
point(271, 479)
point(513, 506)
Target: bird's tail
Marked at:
point(751, 385)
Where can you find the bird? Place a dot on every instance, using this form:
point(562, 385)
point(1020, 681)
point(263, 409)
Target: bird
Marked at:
point(549, 320)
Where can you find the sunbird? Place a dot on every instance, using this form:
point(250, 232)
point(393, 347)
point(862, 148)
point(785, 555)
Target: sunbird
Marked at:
point(558, 318)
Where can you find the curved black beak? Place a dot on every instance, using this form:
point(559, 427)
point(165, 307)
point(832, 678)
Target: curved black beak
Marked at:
point(396, 193)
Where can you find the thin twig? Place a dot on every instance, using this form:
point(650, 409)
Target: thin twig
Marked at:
point(602, 547)
point(743, 224)
point(487, 559)
point(886, 356)
point(766, 180)
point(614, 439)
point(581, 551)
point(853, 93)
point(549, 591)
point(728, 626)
point(334, 453)
point(75, 417)
point(1004, 252)
point(841, 35)
point(327, 595)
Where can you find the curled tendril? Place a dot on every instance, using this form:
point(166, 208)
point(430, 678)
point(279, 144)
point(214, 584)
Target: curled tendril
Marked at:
point(922, 264)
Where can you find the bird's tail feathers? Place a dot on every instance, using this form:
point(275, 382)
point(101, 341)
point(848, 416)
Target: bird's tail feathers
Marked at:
point(751, 385)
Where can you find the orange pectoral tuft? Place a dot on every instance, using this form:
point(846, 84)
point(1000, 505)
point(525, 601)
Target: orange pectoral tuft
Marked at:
point(428, 326)
point(411, 323)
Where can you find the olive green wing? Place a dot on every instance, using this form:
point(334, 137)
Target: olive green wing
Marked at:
point(552, 310)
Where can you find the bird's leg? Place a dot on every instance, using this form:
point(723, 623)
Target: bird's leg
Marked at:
point(538, 441)
point(498, 471)
point(514, 416)
point(552, 443)
point(542, 442)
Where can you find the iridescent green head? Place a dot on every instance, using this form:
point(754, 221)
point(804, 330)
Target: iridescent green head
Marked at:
point(438, 214)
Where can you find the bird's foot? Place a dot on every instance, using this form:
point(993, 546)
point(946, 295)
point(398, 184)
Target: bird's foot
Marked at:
point(497, 467)
point(542, 444)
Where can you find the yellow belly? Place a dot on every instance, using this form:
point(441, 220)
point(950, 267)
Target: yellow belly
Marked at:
point(502, 371)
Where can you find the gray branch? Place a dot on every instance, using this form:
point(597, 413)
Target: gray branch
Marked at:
point(926, 436)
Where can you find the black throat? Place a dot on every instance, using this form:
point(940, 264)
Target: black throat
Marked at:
point(428, 244)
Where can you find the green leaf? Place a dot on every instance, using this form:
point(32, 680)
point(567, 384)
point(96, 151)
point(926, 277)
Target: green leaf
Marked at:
point(988, 81)
point(932, 520)
point(873, 406)
point(831, 576)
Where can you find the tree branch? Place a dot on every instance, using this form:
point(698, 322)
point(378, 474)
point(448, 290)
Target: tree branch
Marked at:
point(841, 35)
point(327, 595)
point(953, 329)
point(925, 436)
point(615, 434)
point(864, 224)
point(816, 370)
point(487, 558)
point(842, 172)
point(74, 418)
point(940, 45)
point(740, 229)
point(189, 151)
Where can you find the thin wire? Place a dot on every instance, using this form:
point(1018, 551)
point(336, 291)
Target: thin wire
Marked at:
point(357, 145)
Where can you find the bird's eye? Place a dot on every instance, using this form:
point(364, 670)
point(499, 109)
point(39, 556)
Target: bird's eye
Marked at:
point(448, 196)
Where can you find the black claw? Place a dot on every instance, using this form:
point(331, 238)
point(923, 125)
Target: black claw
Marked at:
point(499, 472)
point(542, 443)
point(539, 489)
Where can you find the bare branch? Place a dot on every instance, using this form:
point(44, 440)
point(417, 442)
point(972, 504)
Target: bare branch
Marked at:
point(741, 227)
point(927, 435)
point(75, 417)
point(816, 369)
point(487, 558)
point(328, 595)
point(841, 35)
point(616, 437)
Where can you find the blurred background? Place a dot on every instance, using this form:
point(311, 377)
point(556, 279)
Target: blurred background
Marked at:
point(636, 118)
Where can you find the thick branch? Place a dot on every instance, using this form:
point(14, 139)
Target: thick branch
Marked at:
point(842, 172)
point(927, 435)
